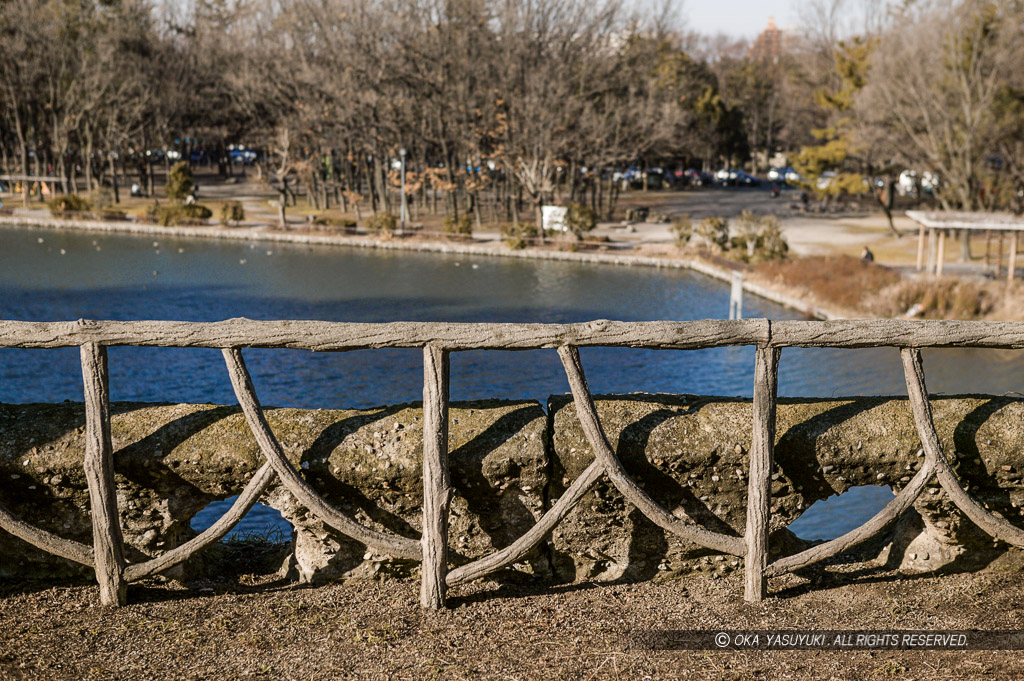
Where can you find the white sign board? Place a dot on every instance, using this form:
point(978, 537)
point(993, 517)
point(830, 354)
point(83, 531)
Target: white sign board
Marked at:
point(553, 218)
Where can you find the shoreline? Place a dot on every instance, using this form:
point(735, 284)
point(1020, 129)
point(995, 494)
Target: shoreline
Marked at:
point(370, 243)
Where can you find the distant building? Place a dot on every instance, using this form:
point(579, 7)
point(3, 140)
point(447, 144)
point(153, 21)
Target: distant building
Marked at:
point(768, 47)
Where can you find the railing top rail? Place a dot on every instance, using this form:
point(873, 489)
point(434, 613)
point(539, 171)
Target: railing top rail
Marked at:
point(339, 336)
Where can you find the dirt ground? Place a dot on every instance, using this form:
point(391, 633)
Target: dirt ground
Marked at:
point(228, 630)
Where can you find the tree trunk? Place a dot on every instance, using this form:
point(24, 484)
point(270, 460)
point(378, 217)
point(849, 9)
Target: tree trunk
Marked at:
point(24, 173)
point(282, 203)
point(374, 196)
point(313, 192)
point(885, 203)
point(88, 160)
point(540, 219)
point(62, 170)
point(113, 178)
point(36, 169)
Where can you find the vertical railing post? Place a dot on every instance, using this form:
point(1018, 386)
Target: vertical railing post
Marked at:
point(436, 478)
point(1013, 258)
point(920, 249)
point(736, 296)
point(999, 259)
point(932, 250)
point(940, 258)
point(762, 448)
point(108, 543)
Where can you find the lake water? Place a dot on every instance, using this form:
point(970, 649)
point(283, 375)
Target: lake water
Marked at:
point(51, 276)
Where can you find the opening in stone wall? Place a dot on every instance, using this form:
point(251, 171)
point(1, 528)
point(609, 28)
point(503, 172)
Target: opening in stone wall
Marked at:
point(257, 545)
point(835, 516)
point(261, 522)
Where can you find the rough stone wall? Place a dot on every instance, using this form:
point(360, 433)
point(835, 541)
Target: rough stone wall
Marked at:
point(691, 454)
point(510, 461)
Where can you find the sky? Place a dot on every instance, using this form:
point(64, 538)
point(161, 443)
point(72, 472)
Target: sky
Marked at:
point(736, 18)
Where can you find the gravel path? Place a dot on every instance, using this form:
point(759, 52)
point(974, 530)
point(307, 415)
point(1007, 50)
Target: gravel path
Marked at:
point(230, 630)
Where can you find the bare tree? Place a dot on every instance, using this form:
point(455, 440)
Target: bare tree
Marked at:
point(934, 84)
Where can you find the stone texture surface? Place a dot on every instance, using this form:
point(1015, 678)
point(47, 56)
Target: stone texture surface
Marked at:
point(510, 461)
point(369, 464)
point(691, 454)
point(173, 460)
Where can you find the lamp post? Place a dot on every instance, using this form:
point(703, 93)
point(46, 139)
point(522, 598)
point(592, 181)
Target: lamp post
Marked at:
point(401, 153)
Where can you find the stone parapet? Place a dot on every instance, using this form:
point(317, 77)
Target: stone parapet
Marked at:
point(510, 461)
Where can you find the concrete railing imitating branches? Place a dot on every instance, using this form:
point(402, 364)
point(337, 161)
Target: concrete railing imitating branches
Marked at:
point(438, 340)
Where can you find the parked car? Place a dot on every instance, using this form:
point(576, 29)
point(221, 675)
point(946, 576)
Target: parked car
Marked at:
point(746, 179)
point(784, 175)
point(726, 176)
point(635, 176)
point(241, 155)
point(825, 180)
point(909, 183)
point(698, 178)
point(732, 177)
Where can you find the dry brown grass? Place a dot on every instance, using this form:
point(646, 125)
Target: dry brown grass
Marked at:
point(944, 299)
point(950, 299)
point(851, 287)
point(837, 281)
point(222, 630)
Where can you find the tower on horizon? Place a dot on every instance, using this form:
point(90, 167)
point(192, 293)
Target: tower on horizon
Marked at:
point(768, 46)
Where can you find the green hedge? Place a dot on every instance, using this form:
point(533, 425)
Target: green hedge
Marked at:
point(68, 203)
point(169, 216)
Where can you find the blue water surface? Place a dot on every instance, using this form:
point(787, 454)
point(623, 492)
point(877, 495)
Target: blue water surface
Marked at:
point(50, 276)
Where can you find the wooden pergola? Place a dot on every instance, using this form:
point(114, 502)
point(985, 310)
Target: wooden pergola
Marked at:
point(936, 224)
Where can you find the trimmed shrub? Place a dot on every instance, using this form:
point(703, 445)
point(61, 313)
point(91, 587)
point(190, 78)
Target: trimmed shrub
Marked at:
point(461, 226)
point(518, 236)
point(773, 245)
point(347, 224)
point(715, 233)
point(196, 212)
point(103, 198)
point(68, 203)
point(758, 238)
point(328, 221)
point(384, 223)
point(169, 216)
point(683, 229)
point(580, 218)
point(232, 212)
point(180, 181)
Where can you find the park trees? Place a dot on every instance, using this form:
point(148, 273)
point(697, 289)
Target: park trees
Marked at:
point(513, 103)
point(501, 105)
point(942, 90)
point(842, 145)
